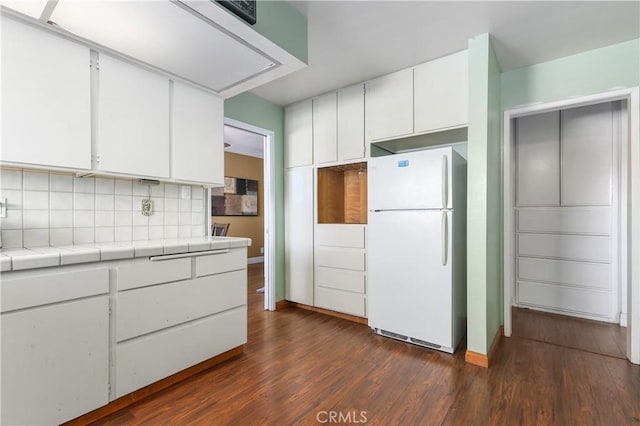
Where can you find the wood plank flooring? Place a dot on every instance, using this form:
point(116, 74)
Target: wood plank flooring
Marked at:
point(299, 365)
point(591, 336)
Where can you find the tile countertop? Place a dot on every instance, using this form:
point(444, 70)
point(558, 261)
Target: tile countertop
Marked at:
point(18, 259)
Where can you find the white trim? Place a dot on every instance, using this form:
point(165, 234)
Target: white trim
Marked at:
point(252, 260)
point(623, 320)
point(631, 95)
point(269, 210)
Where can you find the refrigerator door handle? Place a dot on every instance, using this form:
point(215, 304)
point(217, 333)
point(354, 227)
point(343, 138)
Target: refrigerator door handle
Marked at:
point(445, 183)
point(444, 238)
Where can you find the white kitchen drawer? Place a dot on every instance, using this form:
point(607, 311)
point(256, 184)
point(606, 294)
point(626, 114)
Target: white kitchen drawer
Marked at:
point(221, 262)
point(149, 309)
point(340, 301)
point(340, 258)
point(144, 272)
point(566, 220)
point(341, 279)
point(585, 274)
point(571, 299)
point(26, 289)
point(571, 247)
point(351, 236)
point(140, 362)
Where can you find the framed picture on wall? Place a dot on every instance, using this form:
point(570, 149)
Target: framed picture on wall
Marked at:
point(238, 197)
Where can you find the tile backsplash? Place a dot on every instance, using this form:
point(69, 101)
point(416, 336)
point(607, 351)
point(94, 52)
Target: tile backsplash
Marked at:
point(53, 208)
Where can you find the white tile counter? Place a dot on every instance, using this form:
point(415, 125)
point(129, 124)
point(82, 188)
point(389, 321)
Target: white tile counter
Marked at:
point(41, 257)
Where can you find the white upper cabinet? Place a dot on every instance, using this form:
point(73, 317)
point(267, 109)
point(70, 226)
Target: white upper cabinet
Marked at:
point(133, 120)
point(46, 115)
point(442, 93)
point(389, 106)
point(298, 131)
point(351, 123)
point(198, 153)
point(325, 143)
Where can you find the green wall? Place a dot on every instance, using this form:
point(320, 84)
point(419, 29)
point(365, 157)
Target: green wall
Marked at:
point(484, 251)
point(259, 112)
point(586, 73)
point(282, 24)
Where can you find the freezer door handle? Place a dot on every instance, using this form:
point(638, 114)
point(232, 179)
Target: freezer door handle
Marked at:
point(445, 182)
point(444, 238)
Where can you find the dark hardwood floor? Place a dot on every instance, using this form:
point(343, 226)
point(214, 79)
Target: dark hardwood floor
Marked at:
point(300, 365)
point(591, 336)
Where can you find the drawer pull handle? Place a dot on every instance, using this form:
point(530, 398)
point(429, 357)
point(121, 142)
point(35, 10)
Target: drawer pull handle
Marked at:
point(182, 255)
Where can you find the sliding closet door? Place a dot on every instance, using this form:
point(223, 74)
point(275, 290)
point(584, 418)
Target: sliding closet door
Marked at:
point(565, 172)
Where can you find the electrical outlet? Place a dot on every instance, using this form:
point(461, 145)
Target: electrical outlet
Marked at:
point(261, 250)
point(146, 209)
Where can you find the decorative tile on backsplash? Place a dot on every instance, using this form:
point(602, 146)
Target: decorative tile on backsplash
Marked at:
point(53, 208)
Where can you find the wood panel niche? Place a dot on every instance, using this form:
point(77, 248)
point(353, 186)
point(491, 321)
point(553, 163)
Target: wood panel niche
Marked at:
point(342, 194)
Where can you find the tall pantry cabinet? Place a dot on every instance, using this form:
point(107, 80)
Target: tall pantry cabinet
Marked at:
point(323, 138)
point(327, 141)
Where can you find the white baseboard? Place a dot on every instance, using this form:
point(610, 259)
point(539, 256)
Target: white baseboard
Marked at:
point(259, 259)
point(623, 319)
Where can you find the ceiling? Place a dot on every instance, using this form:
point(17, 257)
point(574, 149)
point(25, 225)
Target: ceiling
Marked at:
point(243, 142)
point(195, 40)
point(354, 41)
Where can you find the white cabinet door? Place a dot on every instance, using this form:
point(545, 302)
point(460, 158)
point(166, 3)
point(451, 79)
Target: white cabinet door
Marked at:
point(198, 151)
point(538, 160)
point(55, 361)
point(133, 120)
point(442, 93)
point(298, 134)
point(46, 110)
point(587, 155)
point(389, 106)
point(325, 143)
point(351, 123)
point(298, 235)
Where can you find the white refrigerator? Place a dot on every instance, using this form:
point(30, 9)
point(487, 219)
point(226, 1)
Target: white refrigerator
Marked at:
point(417, 247)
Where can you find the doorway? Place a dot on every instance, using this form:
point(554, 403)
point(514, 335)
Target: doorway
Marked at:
point(568, 226)
point(256, 143)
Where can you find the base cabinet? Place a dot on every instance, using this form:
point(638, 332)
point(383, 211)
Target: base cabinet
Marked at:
point(142, 361)
point(163, 326)
point(340, 268)
point(55, 355)
point(75, 338)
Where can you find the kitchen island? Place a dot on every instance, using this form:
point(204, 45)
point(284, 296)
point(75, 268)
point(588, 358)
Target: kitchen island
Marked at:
point(84, 326)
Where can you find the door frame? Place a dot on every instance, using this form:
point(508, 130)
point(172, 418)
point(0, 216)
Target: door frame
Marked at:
point(629, 156)
point(269, 209)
